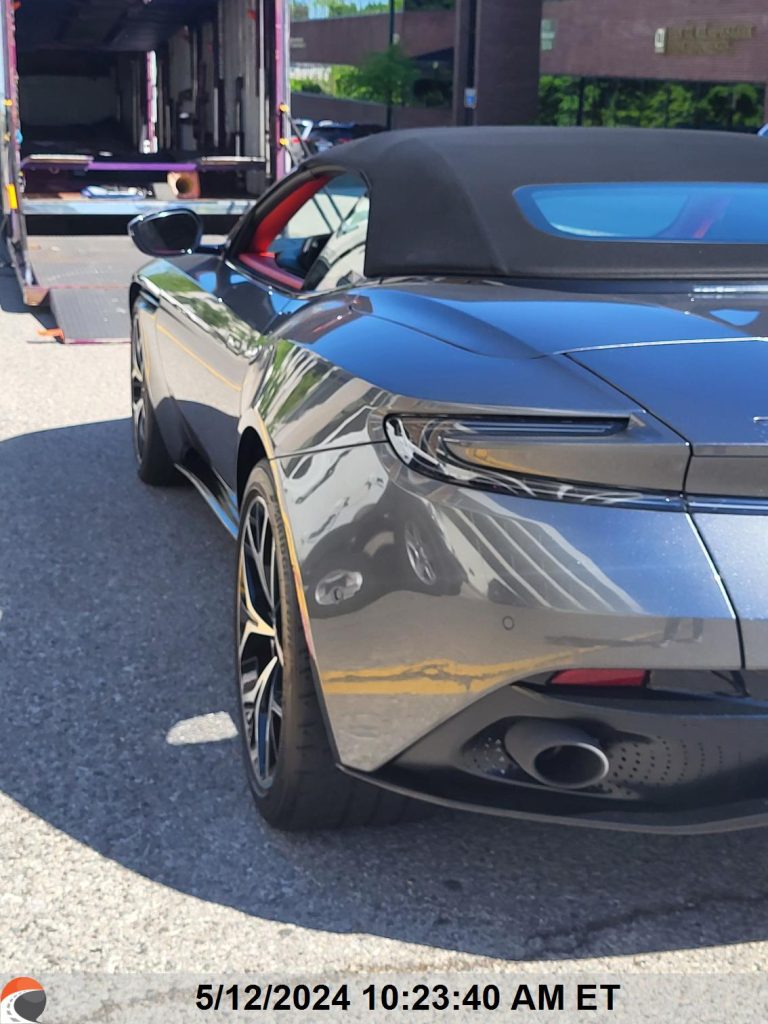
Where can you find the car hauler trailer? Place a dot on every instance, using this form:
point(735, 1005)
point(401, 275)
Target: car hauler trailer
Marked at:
point(118, 107)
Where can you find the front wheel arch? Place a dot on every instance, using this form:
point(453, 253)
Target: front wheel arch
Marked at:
point(251, 451)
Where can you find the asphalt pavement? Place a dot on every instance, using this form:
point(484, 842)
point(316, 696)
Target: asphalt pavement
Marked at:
point(128, 841)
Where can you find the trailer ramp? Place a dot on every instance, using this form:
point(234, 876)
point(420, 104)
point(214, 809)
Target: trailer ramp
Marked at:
point(85, 279)
point(77, 258)
point(91, 316)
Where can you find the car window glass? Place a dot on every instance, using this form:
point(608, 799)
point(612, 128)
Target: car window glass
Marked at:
point(332, 216)
point(342, 259)
point(326, 210)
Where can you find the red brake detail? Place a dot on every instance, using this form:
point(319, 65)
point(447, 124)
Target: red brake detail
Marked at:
point(600, 677)
point(270, 226)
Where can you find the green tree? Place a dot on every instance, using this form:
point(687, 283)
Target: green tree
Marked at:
point(649, 103)
point(379, 7)
point(558, 99)
point(732, 106)
point(338, 8)
point(386, 76)
point(341, 8)
point(305, 85)
point(343, 81)
point(430, 5)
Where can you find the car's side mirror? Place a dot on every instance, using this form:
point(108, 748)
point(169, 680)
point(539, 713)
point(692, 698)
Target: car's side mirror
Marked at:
point(167, 233)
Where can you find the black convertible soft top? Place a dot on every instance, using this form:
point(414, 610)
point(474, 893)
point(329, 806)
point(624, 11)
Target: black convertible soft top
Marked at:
point(441, 199)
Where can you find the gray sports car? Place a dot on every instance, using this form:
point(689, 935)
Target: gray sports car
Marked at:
point(487, 412)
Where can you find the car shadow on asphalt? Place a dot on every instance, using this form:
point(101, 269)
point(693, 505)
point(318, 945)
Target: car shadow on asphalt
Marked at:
point(115, 628)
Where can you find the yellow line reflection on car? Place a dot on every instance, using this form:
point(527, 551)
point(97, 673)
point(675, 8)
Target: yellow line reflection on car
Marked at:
point(197, 358)
point(435, 677)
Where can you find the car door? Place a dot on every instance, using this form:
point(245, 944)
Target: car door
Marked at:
point(218, 322)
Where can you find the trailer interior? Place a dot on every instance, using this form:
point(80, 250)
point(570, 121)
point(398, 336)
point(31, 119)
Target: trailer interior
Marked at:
point(120, 107)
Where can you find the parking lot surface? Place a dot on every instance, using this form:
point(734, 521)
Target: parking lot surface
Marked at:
point(128, 841)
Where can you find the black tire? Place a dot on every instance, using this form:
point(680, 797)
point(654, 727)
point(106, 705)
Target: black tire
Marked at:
point(153, 464)
point(294, 780)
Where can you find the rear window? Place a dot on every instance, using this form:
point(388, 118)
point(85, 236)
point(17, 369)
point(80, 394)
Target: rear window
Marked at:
point(725, 212)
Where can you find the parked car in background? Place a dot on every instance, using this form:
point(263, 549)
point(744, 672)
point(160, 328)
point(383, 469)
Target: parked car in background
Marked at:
point(297, 142)
point(312, 137)
point(325, 134)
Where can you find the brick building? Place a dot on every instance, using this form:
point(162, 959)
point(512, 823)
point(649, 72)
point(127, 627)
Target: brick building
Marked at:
point(699, 47)
point(697, 62)
point(689, 40)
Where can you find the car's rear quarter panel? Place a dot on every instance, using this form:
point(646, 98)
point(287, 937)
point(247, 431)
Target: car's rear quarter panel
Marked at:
point(522, 587)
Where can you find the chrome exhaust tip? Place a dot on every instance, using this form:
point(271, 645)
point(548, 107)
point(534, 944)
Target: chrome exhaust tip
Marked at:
point(556, 753)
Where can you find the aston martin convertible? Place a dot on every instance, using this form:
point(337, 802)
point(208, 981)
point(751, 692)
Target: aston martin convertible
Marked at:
point(486, 412)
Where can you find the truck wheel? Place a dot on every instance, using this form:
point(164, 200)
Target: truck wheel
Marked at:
point(290, 765)
point(153, 462)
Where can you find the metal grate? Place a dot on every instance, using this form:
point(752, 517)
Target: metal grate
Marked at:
point(91, 315)
point(78, 260)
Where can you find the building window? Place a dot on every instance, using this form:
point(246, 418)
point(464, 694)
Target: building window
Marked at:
point(548, 32)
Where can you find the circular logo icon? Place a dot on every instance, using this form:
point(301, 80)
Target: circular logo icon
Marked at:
point(22, 1001)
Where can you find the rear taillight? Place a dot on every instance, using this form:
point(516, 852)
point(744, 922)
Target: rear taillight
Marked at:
point(600, 677)
point(584, 459)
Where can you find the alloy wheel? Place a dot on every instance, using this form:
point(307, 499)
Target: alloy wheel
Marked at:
point(138, 394)
point(260, 649)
